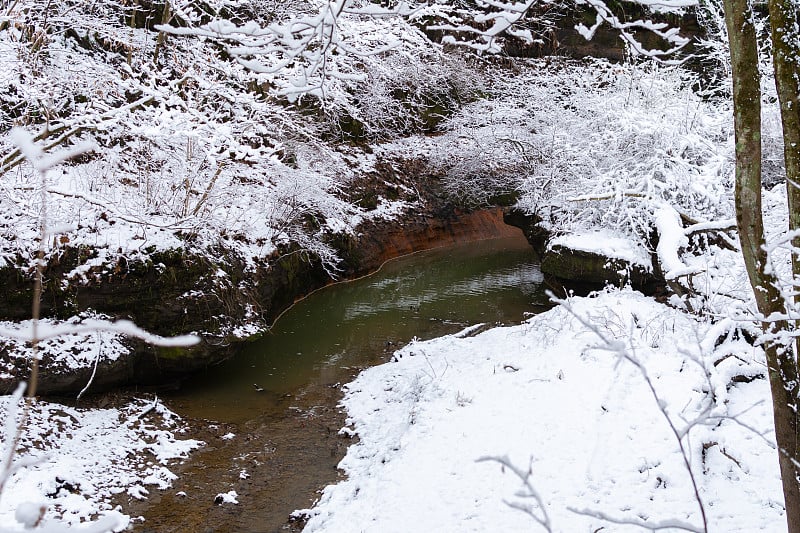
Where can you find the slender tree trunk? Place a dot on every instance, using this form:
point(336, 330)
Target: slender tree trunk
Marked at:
point(780, 358)
point(785, 36)
point(162, 37)
point(783, 16)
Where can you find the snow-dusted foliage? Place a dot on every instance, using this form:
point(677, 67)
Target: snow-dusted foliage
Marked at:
point(197, 147)
point(594, 144)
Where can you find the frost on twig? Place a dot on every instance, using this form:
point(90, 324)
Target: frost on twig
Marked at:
point(536, 510)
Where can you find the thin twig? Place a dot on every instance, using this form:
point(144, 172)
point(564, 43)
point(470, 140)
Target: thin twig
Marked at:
point(622, 350)
point(525, 477)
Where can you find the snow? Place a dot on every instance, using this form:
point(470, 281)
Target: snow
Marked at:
point(196, 155)
point(549, 397)
point(671, 239)
point(607, 243)
point(227, 497)
point(81, 458)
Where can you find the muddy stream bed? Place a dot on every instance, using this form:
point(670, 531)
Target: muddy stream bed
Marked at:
point(278, 396)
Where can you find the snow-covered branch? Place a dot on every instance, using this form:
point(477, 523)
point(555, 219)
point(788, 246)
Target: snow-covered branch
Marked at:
point(537, 511)
point(303, 53)
point(123, 327)
point(627, 29)
point(644, 524)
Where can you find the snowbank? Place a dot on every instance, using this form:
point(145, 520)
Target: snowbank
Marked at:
point(82, 458)
point(581, 418)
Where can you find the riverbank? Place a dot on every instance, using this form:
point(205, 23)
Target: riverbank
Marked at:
point(279, 397)
point(222, 300)
point(269, 419)
point(548, 421)
point(76, 460)
point(211, 203)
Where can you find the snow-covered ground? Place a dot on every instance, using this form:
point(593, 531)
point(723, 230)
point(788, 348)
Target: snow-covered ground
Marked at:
point(575, 415)
point(555, 420)
point(73, 461)
point(195, 152)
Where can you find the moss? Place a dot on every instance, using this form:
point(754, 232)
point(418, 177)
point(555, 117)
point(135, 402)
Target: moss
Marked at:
point(368, 200)
point(172, 352)
point(352, 129)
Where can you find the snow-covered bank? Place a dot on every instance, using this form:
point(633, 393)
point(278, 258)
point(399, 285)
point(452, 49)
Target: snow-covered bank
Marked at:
point(581, 417)
point(82, 458)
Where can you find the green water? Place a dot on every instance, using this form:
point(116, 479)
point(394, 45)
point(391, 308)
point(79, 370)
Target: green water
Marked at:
point(357, 324)
point(279, 395)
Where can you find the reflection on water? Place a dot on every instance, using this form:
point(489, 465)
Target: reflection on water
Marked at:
point(415, 290)
point(356, 324)
point(279, 394)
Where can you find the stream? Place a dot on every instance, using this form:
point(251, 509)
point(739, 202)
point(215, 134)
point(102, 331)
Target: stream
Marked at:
point(269, 414)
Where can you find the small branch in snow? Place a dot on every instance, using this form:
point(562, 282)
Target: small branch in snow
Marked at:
point(531, 492)
point(713, 225)
point(652, 526)
point(607, 196)
point(94, 370)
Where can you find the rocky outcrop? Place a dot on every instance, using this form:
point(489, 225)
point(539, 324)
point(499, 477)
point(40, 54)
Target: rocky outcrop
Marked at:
point(568, 269)
point(582, 271)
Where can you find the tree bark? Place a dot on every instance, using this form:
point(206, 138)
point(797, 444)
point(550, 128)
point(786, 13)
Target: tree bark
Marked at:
point(162, 37)
point(785, 36)
point(780, 357)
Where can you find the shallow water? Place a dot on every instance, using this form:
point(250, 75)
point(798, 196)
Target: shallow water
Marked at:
point(278, 395)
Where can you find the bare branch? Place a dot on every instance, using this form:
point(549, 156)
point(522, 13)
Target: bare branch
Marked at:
point(644, 524)
point(525, 477)
point(621, 349)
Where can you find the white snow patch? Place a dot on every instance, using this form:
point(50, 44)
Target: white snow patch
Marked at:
point(83, 457)
point(608, 243)
point(580, 418)
point(227, 497)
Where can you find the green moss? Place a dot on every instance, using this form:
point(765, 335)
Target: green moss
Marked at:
point(368, 200)
point(172, 352)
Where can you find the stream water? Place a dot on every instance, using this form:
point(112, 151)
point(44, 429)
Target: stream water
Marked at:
point(278, 395)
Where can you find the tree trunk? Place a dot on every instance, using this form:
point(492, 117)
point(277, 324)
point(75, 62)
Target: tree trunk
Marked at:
point(780, 357)
point(162, 37)
point(785, 36)
point(783, 16)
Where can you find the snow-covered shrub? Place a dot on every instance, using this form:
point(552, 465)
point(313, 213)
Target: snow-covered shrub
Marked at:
point(193, 151)
point(593, 144)
point(410, 91)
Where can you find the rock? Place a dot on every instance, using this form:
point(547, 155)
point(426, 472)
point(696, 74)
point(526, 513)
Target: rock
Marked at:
point(583, 270)
point(571, 270)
